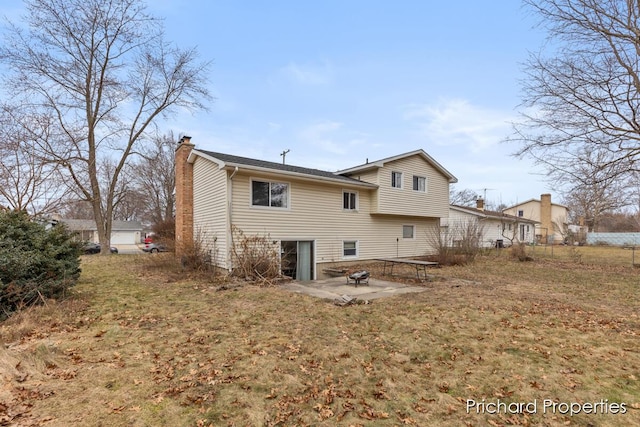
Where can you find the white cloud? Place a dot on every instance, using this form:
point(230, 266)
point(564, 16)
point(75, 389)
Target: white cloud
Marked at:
point(458, 122)
point(330, 137)
point(309, 75)
point(323, 135)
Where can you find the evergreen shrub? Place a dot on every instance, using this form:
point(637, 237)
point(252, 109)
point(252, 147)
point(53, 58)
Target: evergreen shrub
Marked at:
point(36, 263)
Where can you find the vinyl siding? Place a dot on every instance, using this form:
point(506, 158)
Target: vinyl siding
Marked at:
point(405, 201)
point(210, 213)
point(531, 210)
point(491, 228)
point(370, 176)
point(315, 213)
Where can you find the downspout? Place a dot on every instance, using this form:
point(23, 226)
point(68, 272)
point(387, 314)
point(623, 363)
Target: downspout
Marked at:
point(230, 225)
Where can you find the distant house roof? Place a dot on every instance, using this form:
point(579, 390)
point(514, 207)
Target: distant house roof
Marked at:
point(89, 224)
point(533, 200)
point(481, 213)
point(231, 161)
point(380, 163)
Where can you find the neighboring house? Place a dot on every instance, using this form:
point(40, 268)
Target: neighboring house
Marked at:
point(122, 232)
point(552, 224)
point(491, 228)
point(381, 209)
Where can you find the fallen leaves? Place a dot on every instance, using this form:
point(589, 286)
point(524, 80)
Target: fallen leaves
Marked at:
point(262, 354)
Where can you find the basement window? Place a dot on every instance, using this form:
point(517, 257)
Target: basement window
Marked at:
point(408, 231)
point(350, 248)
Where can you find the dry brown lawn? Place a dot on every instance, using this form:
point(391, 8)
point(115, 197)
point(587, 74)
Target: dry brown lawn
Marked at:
point(141, 345)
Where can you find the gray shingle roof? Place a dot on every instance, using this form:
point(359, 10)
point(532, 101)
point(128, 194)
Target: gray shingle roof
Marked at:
point(492, 214)
point(89, 224)
point(245, 161)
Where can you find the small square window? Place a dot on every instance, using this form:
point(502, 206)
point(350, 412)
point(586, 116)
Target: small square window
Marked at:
point(420, 184)
point(396, 179)
point(349, 200)
point(520, 213)
point(350, 248)
point(408, 231)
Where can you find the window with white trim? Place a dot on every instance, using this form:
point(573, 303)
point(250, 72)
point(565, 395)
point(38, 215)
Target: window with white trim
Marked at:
point(350, 248)
point(396, 179)
point(349, 200)
point(269, 194)
point(419, 183)
point(408, 231)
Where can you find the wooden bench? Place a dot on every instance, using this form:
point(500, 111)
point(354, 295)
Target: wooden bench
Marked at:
point(335, 272)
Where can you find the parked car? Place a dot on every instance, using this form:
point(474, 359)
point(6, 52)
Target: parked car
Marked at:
point(94, 248)
point(154, 248)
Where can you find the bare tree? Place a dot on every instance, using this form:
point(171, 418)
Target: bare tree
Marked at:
point(586, 93)
point(76, 209)
point(155, 179)
point(465, 197)
point(27, 182)
point(591, 203)
point(102, 70)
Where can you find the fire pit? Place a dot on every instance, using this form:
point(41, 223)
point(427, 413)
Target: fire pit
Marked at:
point(359, 277)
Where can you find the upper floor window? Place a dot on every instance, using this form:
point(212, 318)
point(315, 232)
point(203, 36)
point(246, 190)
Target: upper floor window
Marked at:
point(419, 183)
point(520, 213)
point(349, 200)
point(271, 194)
point(396, 179)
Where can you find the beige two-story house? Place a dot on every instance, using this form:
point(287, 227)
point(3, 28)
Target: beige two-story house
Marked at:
point(387, 208)
point(551, 218)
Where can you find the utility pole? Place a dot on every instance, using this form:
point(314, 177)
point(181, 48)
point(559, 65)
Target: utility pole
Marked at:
point(284, 154)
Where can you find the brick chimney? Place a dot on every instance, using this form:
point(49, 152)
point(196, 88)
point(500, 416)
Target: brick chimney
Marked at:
point(545, 217)
point(480, 203)
point(184, 195)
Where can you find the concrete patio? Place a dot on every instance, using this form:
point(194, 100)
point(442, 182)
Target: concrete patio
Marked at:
point(336, 287)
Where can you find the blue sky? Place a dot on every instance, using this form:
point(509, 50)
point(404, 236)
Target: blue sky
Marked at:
point(337, 82)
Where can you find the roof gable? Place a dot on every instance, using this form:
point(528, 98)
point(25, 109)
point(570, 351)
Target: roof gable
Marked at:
point(380, 163)
point(538, 201)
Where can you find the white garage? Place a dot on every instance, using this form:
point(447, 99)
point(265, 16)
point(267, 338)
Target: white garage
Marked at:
point(122, 232)
point(125, 237)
